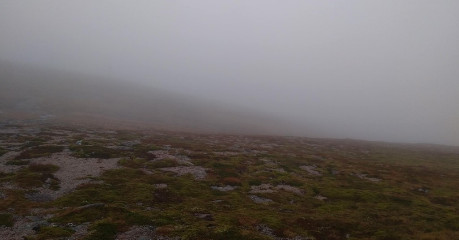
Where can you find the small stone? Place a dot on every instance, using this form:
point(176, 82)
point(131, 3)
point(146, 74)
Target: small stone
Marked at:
point(204, 216)
point(223, 189)
point(39, 197)
point(320, 197)
point(311, 170)
point(160, 185)
point(258, 199)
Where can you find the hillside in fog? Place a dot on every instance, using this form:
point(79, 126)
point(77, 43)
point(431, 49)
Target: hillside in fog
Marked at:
point(27, 92)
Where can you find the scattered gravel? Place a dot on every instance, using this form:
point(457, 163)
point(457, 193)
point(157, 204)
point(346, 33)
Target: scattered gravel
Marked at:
point(160, 185)
point(258, 199)
point(365, 177)
point(227, 153)
point(224, 189)
point(22, 227)
point(265, 230)
point(320, 197)
point(80, 231)
point(263, 188)
point(165, 154)
point(7, 157)
point(204, 216)
point(74, 171)
point(268, 162)
point(289, 188)
point(311, 170)
point(198, 173)
point(268, 188)
point(39, 197)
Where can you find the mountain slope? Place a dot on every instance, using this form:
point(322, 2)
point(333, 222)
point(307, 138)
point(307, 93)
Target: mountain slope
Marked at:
point(26, 91)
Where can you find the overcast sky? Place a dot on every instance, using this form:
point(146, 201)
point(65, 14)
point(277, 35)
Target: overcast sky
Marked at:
point(378, 70)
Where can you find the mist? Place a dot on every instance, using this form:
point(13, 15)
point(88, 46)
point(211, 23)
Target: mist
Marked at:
point(373, 70)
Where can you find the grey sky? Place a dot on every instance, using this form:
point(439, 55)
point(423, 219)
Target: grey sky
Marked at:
point(378, 70)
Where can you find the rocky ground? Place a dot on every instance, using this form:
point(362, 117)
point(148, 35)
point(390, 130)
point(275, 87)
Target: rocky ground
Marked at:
point(61, 182)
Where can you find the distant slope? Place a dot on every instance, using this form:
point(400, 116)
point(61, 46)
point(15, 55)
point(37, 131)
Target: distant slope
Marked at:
point(32, 92)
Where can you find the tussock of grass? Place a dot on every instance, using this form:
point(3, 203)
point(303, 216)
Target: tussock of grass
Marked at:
point(94, 151)
point(39, 151)
point(132, 162)
point(35, 175)
point(18, 162)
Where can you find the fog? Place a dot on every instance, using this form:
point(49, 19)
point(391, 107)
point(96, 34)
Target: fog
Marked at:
point(374, 70)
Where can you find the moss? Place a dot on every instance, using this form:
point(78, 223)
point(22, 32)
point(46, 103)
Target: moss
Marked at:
point(255, 181)
point(94, 151)
point(35, 175)
point(163, 163)
point(18, 162)
point(2, 151)
point(32, 143)
point(26, 179)
point(43, 168)
point(453, 223)
point(39, 151)
point(6, 220)
point(288, 180)
point(102, 231)
point(221, 233)
point(225, 170)
point(141, 150)
point(5, 176)
point(89, 193)
point(386, 235)
point(234, 181)
point(120, 215)
point(132, 162)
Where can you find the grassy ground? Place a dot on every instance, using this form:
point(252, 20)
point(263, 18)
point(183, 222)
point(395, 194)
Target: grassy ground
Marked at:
point(357, 190)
